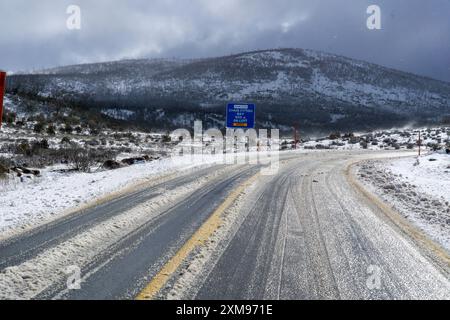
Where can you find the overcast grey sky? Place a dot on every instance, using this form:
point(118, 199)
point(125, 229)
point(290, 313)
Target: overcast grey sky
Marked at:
point(415, 34)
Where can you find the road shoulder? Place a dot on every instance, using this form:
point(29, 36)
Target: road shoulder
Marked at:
point(432, 250)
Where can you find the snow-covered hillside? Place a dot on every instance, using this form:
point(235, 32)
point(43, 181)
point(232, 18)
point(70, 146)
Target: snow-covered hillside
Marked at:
point(310, 86)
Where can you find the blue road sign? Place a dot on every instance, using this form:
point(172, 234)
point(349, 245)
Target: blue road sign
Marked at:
point(241, 115)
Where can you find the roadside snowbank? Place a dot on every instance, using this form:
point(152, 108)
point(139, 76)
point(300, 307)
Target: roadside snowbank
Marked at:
point(430, 173)
point(417, 188)
point(27, 204)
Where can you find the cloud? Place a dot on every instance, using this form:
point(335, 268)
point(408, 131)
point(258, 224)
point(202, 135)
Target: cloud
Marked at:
point(415, 35)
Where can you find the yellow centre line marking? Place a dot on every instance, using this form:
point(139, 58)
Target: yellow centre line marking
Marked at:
point(198, 238)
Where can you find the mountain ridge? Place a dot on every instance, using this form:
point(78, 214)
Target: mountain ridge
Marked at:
point(57, 69)
point(315, 88)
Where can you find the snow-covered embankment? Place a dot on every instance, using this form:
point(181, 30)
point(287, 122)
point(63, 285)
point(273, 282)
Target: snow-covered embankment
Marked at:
point(418, 188)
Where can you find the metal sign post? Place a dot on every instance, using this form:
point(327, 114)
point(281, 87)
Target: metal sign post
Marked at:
point(2, 91)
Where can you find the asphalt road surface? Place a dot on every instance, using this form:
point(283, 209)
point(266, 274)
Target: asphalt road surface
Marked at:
point(308, 233)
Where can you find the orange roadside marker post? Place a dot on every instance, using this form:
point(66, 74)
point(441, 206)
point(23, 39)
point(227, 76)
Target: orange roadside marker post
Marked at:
point(2, 92)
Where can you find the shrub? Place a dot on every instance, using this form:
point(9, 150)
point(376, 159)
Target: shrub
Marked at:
point(51, 131)
point(65, 140)
point(67, 129)
point(5, 164)
point(43, 144)
point(9, 117)
point(39, 127)
point(94, 131)
point(23, 148)
point(82, 159)
point(334, 135)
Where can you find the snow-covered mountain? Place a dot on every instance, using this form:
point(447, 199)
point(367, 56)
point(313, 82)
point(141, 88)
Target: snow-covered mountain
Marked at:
point(315, 89)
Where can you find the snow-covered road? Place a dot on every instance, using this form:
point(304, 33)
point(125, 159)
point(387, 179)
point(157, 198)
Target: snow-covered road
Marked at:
point(53, 195)
point(307, 232)
point(311, 234)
